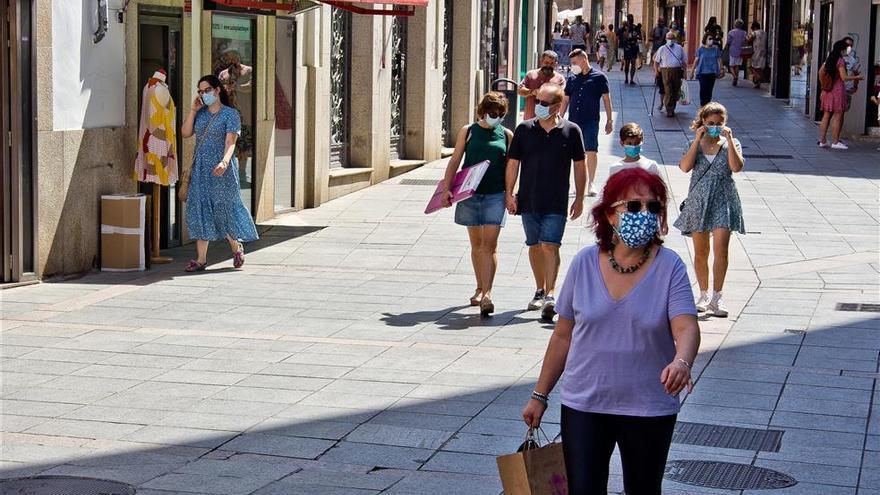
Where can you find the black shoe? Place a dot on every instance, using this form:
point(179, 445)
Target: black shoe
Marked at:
point(548, 311)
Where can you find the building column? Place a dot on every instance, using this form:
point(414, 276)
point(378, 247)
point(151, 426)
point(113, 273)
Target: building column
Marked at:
point(316, 58)
point(370, 78)
point(465, 63)
point(424, 84)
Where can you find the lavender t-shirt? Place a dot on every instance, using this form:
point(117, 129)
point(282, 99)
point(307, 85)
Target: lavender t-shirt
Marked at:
point(618, 348)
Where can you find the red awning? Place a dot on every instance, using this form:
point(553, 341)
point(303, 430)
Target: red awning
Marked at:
point(348, 5)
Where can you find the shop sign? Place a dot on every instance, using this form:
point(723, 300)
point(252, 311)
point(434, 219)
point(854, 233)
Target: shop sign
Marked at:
point(231, 28)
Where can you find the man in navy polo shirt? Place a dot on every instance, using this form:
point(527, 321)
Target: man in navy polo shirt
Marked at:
point(582, 94)
point(541, 153)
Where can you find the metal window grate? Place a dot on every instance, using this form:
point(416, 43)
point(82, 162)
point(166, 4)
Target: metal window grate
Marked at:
point(418, 182)
point(726, 475)
point(864, 307)
point(64, 485)
point(727, 437)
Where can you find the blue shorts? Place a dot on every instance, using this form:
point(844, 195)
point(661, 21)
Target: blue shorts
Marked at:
point(590, 131)
point(481, 209)
point(543, 228)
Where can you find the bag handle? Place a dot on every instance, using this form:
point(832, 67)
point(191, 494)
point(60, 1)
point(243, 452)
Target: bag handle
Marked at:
point(201, 138)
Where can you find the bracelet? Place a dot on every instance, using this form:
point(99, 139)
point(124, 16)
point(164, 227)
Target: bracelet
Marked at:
point(543, 399)
point(682, 361)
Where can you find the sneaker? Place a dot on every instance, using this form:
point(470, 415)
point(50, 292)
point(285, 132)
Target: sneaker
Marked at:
point(537, 301)
point(823, 144)
point(839, 146)
point(591, 190)
point(717, 307)
point(703, 302)
point(549, 309)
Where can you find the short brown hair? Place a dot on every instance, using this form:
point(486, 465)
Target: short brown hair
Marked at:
point(711, 108)
point(630, 130)
point(577, 52)
point(493, 100)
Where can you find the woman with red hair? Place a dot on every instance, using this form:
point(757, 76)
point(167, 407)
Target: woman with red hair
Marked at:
point(626, 339)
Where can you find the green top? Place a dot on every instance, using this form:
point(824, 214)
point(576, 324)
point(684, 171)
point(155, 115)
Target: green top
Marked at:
point(487, 144)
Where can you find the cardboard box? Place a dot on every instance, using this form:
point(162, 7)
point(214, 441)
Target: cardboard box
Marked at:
point(123, 232)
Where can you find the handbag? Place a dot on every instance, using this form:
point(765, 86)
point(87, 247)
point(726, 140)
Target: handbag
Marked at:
point(684, 201)
point(183, 187)
point(534, 469)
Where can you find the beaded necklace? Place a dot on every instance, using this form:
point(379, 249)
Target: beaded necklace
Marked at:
point(631, 268)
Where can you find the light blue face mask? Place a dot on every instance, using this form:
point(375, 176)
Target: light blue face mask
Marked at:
point(209, 98)
point(714, 130)
point(632, 150)
point(542, 112)
point(637, 229)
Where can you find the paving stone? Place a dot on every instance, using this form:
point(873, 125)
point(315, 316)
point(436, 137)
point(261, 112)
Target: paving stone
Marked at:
point(459, 462)
point(458, 483)
point(384, 456)
point(170, 435)
point(329, 430)
point(279, 445)
point(399, 435)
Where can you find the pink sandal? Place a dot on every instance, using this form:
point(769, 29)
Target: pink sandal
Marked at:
point(238, 257)
point(195, 266)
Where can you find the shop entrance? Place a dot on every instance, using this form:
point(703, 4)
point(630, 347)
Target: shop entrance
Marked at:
point(17, 142)
point(159, 47)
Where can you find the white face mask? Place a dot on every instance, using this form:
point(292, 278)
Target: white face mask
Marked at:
point(492, 122)
point(848, 50)
point(576, 69)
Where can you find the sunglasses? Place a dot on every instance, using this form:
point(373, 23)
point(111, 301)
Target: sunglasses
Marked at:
point(634, 205)
point(545, 103)
point(495, 115)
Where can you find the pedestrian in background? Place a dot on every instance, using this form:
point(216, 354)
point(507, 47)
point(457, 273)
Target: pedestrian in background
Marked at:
point(736, 38)
point(536, 78)
point(583, 92)
point(541, 153)
point(833, 96)
point(630, 43)
point(670, 62)
point(658, 39)
point(626, 339)
point(601, 48)
point(214, 210)
point(713, 30)
point(578, 33)
point(484, 213)
point(631, 139)
point(712, 208)
point(758, 62)
point(707, 68)
point(612, 47)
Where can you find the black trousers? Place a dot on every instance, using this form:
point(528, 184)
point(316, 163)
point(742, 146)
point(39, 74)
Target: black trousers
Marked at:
point(588, 441)
point(707, 85)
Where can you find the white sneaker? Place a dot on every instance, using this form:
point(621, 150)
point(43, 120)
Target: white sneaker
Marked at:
point(703, 302)
point(823, 144)
point(717, 307)
point(537, 301)
point(591, 190)
point(839, 146)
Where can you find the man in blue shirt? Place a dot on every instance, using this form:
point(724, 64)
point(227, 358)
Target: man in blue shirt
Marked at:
point(582, 94)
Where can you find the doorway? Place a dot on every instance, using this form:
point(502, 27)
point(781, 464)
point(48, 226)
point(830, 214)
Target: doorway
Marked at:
point(285, 109)
point(159, 47)
point(826, 21)
point(17, 142)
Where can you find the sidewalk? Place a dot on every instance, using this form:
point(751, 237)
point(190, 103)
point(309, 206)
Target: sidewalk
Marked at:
point(343, 360)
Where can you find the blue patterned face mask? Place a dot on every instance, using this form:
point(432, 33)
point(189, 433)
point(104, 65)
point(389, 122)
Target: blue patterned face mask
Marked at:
point(636, 229)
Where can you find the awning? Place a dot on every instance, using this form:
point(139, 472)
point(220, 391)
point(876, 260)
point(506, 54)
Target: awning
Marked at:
point(354, 6)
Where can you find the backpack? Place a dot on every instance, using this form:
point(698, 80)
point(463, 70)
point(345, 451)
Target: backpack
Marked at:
point(826, 82)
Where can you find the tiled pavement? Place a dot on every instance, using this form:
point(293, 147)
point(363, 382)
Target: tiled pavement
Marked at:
point(342, 359)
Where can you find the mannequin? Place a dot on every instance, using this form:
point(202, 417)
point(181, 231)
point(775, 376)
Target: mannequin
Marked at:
point(156, 160)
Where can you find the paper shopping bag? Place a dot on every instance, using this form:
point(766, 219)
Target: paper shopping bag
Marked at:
point(538, 471)
point(684, 95)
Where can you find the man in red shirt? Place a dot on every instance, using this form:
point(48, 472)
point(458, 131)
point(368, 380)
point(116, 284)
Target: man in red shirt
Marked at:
point(536, 78)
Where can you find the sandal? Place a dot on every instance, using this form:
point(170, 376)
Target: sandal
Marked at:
point(487, 307)
point(477, 297)
point(238, 256)
point(195, 266)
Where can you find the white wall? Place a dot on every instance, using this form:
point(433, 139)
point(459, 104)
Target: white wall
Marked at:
point(88, 80)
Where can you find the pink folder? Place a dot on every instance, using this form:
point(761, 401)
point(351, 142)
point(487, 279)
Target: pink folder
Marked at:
point(464, 185)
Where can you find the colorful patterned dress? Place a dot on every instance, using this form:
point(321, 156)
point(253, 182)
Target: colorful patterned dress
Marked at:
point(213, 207)
point(712, 201)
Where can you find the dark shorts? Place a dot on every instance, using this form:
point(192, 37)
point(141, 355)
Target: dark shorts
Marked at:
point(481, 209)
point(590, 131)
point(543, 228)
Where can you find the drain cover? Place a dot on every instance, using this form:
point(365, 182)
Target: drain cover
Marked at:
point(63, 485)
point(726, 475)
point(727, 437)
point(419, 182)
point(866, 307)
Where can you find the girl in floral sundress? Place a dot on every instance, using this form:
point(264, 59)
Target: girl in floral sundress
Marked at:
point(713, 206)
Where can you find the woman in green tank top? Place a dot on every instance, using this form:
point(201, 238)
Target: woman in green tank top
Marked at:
point(484, 213)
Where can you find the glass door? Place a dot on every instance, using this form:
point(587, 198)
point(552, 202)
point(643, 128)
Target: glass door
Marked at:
point(159, 47)
point(233, 61)
point(17, 142)
point(285, 98)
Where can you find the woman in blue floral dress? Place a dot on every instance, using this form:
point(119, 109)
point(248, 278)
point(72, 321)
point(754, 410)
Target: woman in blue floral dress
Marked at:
point(713, 205)
point(214, 210)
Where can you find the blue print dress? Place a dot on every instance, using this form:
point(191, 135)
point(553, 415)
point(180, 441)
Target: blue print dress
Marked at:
point(712, 201)
point(213, 206)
